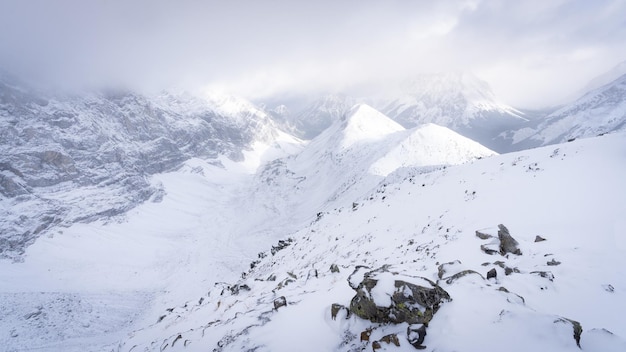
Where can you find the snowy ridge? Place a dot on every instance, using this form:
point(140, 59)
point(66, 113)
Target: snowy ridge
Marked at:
point(348, 159)
point(424, 223)
point(430, 145)
point(599, 111)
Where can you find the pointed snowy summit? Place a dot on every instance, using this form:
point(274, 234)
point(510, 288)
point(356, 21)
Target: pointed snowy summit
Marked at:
point(363, 123)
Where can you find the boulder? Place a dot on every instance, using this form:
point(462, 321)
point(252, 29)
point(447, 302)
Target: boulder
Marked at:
point(490, 248)
point(483, 235)
point(507, 243)
point(492, 273)
point(391, 339)
point(453, 278)
point(389, 297)
point(441, 269)
point(280, 302)
point(553, 262)
point(416, 334)
point(539, 239)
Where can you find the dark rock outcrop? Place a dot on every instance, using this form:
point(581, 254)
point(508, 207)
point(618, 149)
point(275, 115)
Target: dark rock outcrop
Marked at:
point(280, 302)
point(409, 302)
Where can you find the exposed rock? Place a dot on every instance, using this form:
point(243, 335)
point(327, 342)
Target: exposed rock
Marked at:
point(335, 308)
point(235, 289)
point(539, 239)
point(483, 236)
point(416, 334)
point(334, 268)
point(391, 339)
point(365, 335)
point(408, 302)
point(553, 262)
point(375, 345)
point(441, 269)
point(451, 279)
point(503, 289)
point(283, 283)
point(578, 329)
point(357, 276)
point(282, 244)
point(489, 249)
point(312, 274)
point(545, 274)
point(507, 270)
point(492, 274)
point(280, 302)
point(507, 243)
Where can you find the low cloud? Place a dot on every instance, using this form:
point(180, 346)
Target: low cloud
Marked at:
point(534, 53)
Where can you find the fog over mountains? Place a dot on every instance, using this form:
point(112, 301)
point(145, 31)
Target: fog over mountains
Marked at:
point(176, 221)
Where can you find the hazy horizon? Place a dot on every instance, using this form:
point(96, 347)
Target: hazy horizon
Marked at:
point(533, 53)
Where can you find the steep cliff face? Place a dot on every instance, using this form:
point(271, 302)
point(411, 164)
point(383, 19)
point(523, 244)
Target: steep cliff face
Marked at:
point(81, 158)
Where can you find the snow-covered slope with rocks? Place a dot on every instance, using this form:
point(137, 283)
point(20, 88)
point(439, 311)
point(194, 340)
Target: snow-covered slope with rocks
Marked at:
point(213, 218)
point(459, 101)
point(599, 111)
point(80, 158)
point(349, 158)
point(549, 279)
point(370, 236)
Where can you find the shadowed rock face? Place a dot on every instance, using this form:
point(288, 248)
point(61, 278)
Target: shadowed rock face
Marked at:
point(54, 148)
point(410, 303)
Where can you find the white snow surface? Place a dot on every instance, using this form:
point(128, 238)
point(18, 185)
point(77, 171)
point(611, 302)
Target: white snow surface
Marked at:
point(168, 277)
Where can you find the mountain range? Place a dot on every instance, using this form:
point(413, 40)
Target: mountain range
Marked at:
point(139, 222)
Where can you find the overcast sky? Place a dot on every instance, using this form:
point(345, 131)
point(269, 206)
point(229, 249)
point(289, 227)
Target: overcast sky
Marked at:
point(533, 52)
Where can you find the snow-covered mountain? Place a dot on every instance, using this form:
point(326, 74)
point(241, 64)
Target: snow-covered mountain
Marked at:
point(350, 157)
point(80, 158)
point(541, 281)
point(457, 100)
point(238, 236)
point(599, 111)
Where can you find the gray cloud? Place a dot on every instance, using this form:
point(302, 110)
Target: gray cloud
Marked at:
point(533, 53)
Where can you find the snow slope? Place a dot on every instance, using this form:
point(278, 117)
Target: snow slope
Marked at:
point(599, 111)
point(417, 219)
point(212, 218)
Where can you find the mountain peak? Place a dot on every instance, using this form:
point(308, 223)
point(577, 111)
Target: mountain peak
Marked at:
point(364, 123)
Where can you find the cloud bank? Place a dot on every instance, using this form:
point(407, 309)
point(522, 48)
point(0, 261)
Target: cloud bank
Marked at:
point(533, 53)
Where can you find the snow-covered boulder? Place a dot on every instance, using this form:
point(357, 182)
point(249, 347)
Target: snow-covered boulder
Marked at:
point(385, 296)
